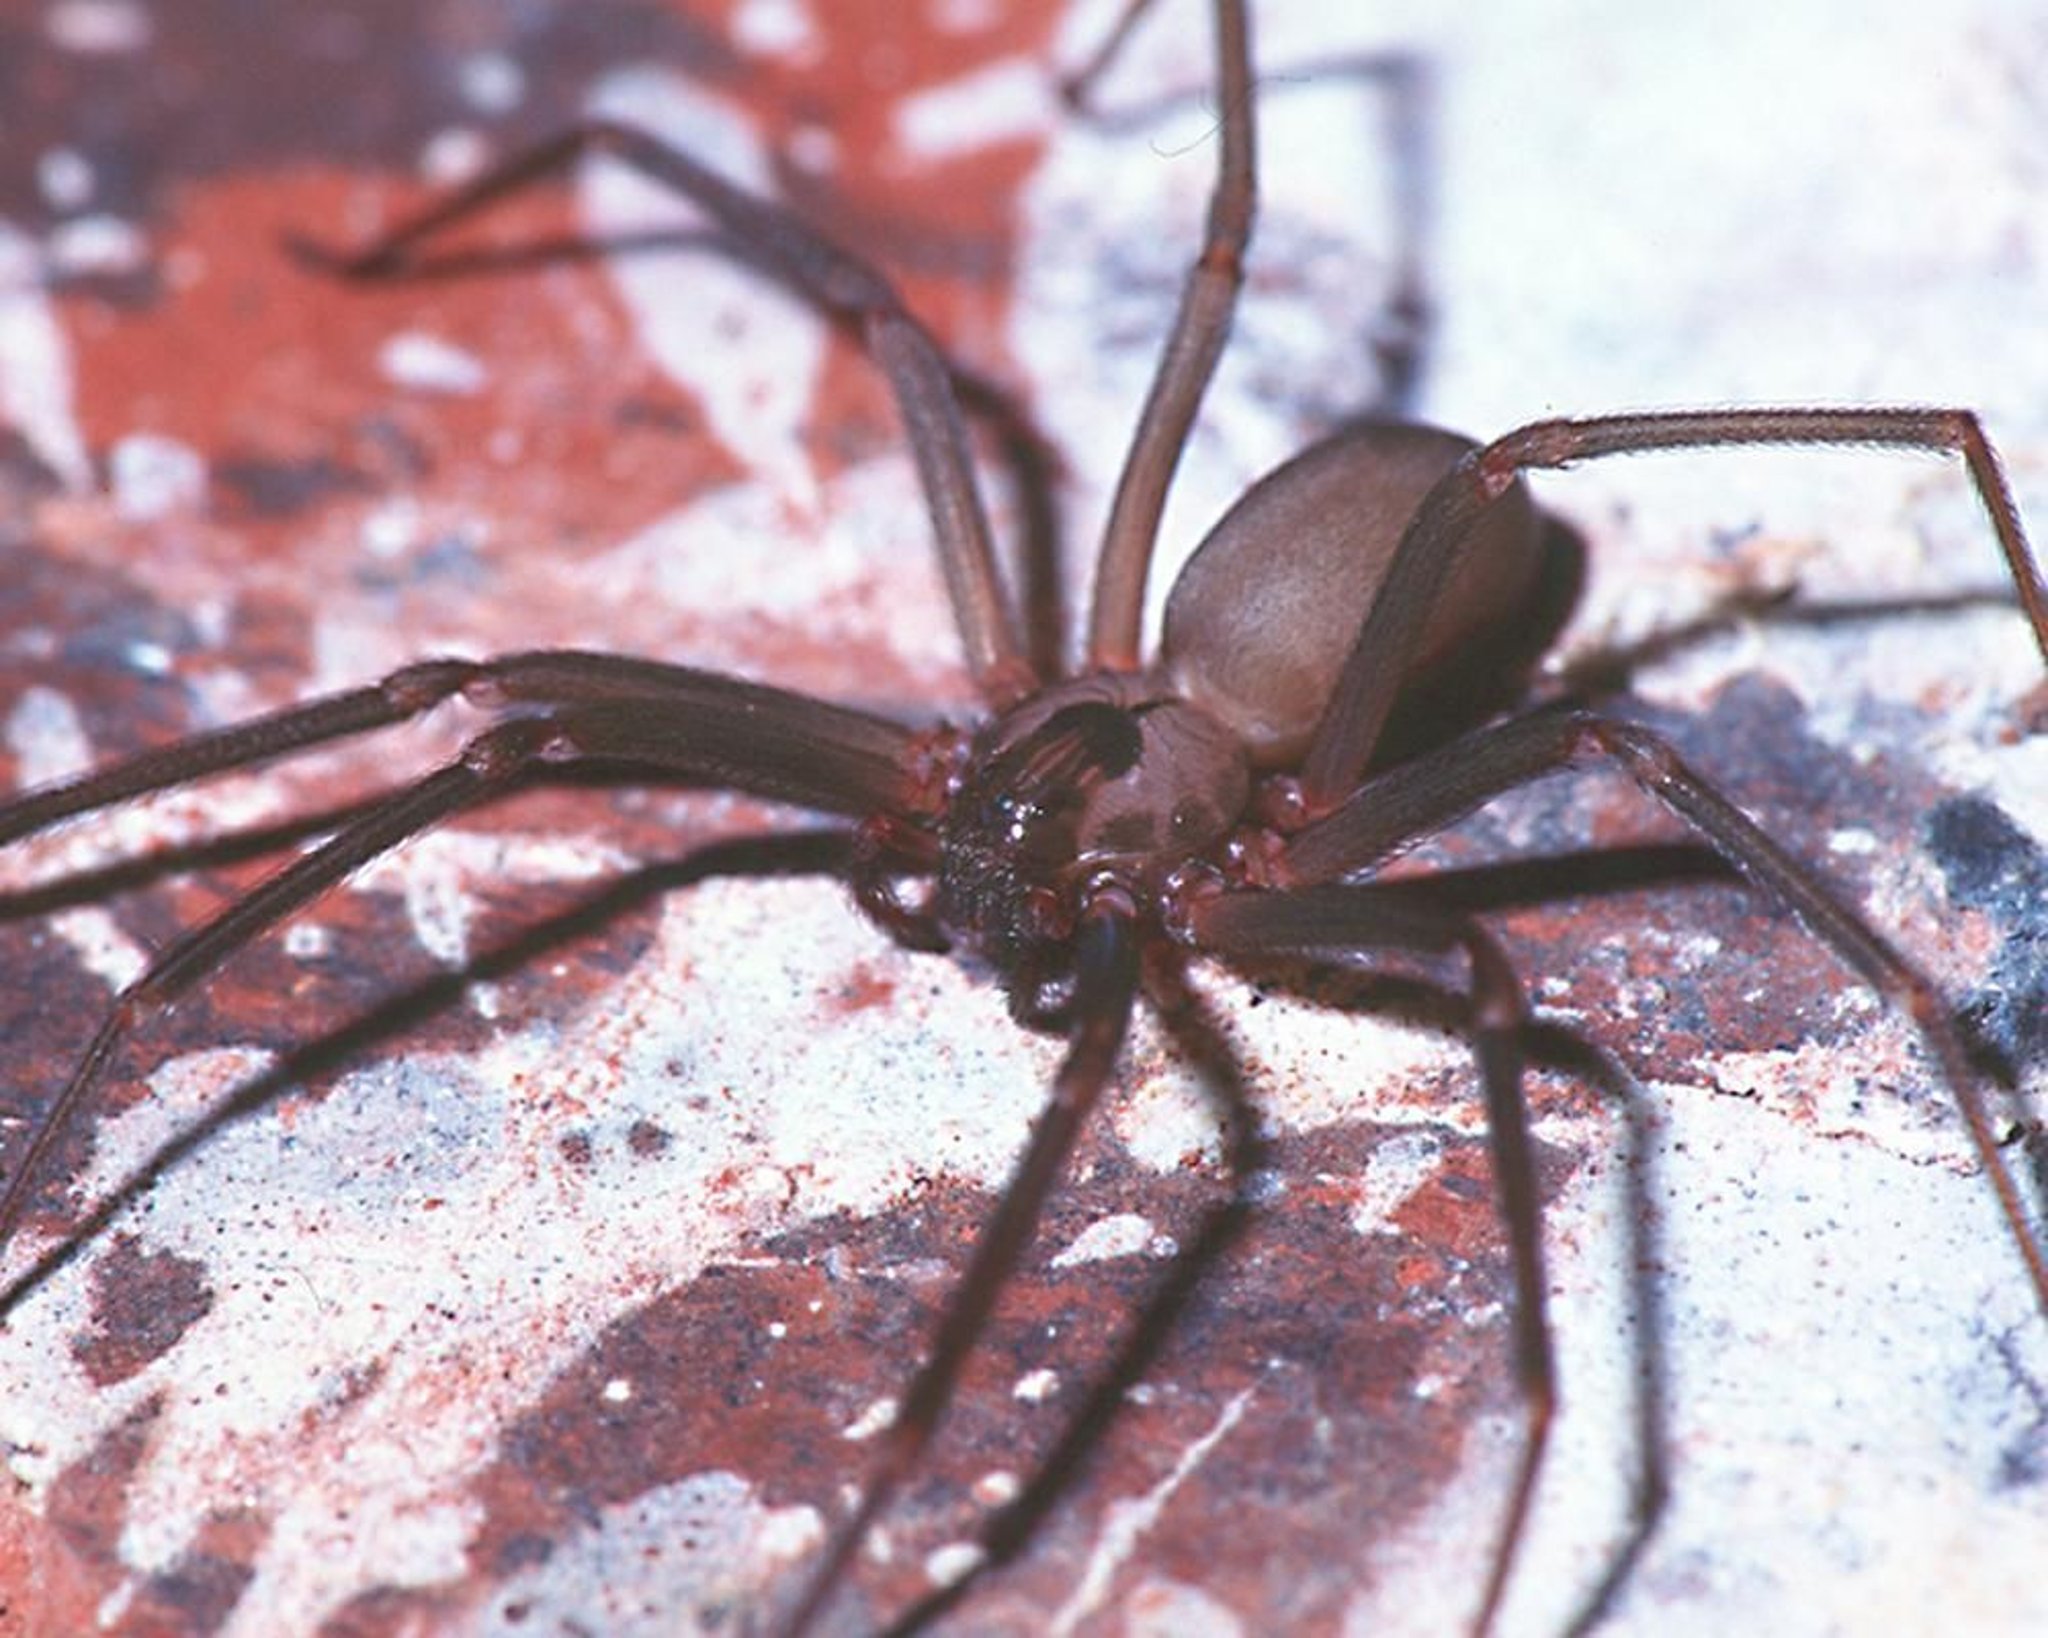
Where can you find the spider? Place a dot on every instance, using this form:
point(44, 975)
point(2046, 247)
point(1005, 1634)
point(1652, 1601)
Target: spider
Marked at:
point(1067, 947)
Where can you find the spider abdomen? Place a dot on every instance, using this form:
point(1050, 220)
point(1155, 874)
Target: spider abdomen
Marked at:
point(1266, 611)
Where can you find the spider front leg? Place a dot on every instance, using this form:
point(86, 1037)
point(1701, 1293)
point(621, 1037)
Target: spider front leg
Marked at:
point(845, 289)
point(1105, 990)
point(1188, 359)
point(563, 707)
point(1189, 1021)
point(1418, 576)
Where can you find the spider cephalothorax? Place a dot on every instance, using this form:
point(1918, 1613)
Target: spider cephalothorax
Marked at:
point(1103, 776)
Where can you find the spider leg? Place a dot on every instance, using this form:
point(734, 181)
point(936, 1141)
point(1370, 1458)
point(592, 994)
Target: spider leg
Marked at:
point(1434, 789)
point(1200, 327)
point(863, 754)
point(1106, 968)
point(1188, 1020)
point(674, 722)
point(846, 289)
point(1381, 659)
point(1077, 88)
point(392, 699)
point(1342, 919)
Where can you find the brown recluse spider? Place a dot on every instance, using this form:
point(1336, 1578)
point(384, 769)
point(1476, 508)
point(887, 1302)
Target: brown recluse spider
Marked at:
point(1232, 797)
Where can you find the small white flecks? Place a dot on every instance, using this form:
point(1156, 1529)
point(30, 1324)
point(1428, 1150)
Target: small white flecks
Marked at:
point(1697, 950)
point(814, 149)
point(773, 28)
point(1164, 1123)
point(965, 16)
point(878, 1416)
point(30, 1467)
point(1426, 1386)
point(391, 527)
point(112, 1609)
point(789, 1532)
point(155, 477)
point(35, 364)
point(617, 1391)
point(1264, 1188)
point(761, 1188)
point(47, 737)
point(429, 364)
point(65, 176)
point(453, 156)
point(1129, 1520)
point(1399, 1166)
point(437, 872)
point(209, 618)
point(491, 82)
point(1124, 1234)
point(98, 27)
point(99, 244)
point(777, 1330)
point(1005, 101)
point(953, 1562)
point(995, 1488)
point(307, 940)
point(100, 946)
point(1852, 841)
point(1035, 1387)
point(148, 657)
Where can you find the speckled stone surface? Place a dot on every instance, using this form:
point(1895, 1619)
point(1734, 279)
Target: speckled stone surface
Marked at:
point(565, 1298)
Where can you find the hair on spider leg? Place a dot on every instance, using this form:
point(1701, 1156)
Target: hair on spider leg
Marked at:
point(1326, 692)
